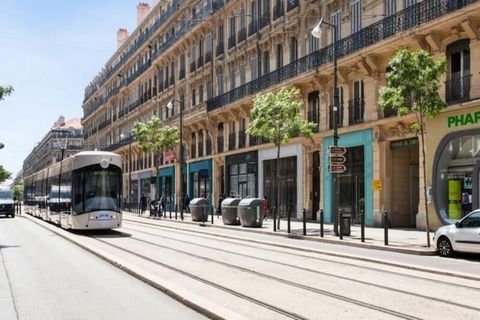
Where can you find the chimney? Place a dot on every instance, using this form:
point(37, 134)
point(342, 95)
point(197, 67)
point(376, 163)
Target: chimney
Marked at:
point(142, 11)
point(122, 36)
point(60, 122)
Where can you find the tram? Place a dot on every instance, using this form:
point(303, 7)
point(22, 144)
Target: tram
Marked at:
point(82, 192)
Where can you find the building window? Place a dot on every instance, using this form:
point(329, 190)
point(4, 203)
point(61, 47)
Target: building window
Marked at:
point(287, 182)
point(266, 62)
point(242, 74)
point(200, 93)
point(194, 97)
point(231, 76)
point(314, 108)
point(389, 7)
point(293, 49)
point(313, 43)
point(356, 105)
point(458, 76)
point(336, 19)
point(279, 56)
point(220, 83)
point(242, 178)
point(356, 15)
point(254, 68)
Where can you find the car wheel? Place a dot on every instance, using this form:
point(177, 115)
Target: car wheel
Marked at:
point(444, 247)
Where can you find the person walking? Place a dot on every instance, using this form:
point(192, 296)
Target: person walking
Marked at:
point(186, 203)
point(219, 208)
point(266, 207)
point(143, 204)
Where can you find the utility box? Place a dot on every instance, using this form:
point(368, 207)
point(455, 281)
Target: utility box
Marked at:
point(199, 209)
point(250, 212)
point(346, 224)
point(229, 211)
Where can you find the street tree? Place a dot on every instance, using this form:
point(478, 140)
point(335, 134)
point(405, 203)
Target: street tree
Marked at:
point(413, 87)
point(276, 117)
point(17, 191)
point(5, 91)
point(4, 174)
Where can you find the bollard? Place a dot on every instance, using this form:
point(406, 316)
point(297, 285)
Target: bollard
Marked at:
point(385, 227)
point(321, 223)
point(176, 211)
point(341, 223)
point(362, 225)
point(304, 221)
point(274, 219)
point(288, 221)
point(212, 212)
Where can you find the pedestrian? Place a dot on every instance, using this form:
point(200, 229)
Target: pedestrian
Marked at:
point(143, 203)
point(220, 200)
point(186, 203)
point(266, 207)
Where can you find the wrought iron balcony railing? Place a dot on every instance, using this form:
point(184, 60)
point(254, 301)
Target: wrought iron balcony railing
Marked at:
point(220, 49)
point(242, 34)
point(292, 4)
point(200, 149)
point(242, 137)
point(208, 56)
point(231, 41)
point(200, 62)
point(192, 151)
point(339, 116)
point(208, 151)
point(278, 10)
point(314, 116)
point(252, 27)
point(356, 108)
point(458, 88)
point(423, 12)
point(232, 139)
point(193, 66)
point(181, 74)
point(219, 144)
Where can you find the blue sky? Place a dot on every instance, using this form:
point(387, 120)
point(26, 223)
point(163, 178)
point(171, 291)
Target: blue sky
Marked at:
point(49, 51)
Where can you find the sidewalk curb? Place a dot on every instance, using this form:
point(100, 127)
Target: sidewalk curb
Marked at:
point(412, 251)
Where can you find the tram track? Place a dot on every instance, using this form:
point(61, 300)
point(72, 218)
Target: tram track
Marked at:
point(247, 243)
point(291, 315)
point(297, 267)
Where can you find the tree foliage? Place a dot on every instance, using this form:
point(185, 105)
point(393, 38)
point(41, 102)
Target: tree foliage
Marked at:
point(5, 91)
point(413, 86)
point(277, 116)
point(153, 136)
point(17, 191)
point(4, 174)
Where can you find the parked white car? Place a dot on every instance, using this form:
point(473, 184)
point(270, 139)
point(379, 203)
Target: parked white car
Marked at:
point(463, 236)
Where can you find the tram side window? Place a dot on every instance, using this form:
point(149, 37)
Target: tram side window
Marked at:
point(78, 194)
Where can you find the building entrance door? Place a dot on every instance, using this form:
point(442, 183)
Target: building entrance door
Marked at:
point(414, 194)
point(351, 184)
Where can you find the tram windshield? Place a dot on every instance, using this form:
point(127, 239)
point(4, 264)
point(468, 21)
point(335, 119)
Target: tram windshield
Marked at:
point(96, 189)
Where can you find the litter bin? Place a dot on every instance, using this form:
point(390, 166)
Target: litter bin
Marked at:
point(346, 224)
point(250, 211)
point(199, 209)
point(229, 211)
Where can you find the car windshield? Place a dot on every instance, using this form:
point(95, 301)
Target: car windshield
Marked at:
point(5, 195)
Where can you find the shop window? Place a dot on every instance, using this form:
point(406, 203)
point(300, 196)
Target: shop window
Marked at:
point(287, 182)
point(456, 175)
point(314, 109)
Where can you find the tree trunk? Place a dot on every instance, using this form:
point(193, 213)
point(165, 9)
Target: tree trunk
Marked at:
point(277, 185)
point(422, 134)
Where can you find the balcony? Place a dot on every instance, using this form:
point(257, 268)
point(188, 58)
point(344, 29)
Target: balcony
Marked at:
point(208, 57)
point(231, 41)
point(220, 49)
point(278, 10)
point(255, 141)
point(181, 74)
point(252, 28)
point(424, 12)
point(242, 137)
point(292, 4)
point(219, 144)
point(232, 141)
point(242, 34)
point(356, 108)
point(200, 62)
point(339, 116)
point(314, 116)
point(264, 21)
point(193, 66)
point(457, 88)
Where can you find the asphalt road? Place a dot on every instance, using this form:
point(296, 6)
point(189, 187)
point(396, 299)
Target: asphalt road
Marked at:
point(43, 276)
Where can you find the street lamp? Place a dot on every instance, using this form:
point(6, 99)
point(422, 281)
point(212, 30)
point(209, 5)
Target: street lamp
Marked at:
point(317, 33)
point(63, 146)
point(170, 106)
point(129, 161)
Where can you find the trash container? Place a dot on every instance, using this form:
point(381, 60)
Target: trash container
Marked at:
point(250, 211)
point(229, 211)
point(199, 209)
point(346, 224)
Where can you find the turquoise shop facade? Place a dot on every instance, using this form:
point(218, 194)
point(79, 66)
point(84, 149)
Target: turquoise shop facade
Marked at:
point(348, 140)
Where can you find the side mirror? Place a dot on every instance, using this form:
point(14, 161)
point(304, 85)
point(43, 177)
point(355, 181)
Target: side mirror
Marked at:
point(458, 224)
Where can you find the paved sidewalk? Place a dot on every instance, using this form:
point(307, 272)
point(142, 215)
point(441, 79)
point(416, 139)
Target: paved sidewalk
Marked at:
point(410, 241)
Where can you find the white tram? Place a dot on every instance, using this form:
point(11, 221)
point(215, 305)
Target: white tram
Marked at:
point(83, 191)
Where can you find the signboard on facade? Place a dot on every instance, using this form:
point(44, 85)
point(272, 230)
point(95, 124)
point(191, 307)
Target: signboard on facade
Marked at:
point(169, 155)
point(336, 168)
point(336, 150)
point(336, 159)
point(377, 185)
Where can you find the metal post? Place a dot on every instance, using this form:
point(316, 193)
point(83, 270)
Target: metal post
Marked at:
point(335, 133)
point(288, 221)
point(321, 223)
point(362, 225)
point(341, 223)
point(211, 211)
point(385, 227)
point(275, 218)
point(304, 221)
point(181, 159)
point(129, 167)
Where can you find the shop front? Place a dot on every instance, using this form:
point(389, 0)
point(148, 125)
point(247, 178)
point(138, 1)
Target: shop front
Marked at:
point(166, 186)
point(242, 174)
point(145, 179)
point(200, 179)
point(290, 179)
point(455, 174)
point(353, 185)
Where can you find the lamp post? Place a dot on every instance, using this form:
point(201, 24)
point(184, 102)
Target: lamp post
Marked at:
point(170, 106)
point(317, 33)
point(129, 161)
point(63, 147)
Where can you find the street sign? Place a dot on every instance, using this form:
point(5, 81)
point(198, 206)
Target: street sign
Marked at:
point(337, 150)
point(336, 168)
point(334, 159)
